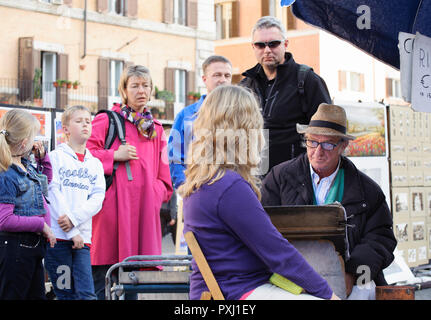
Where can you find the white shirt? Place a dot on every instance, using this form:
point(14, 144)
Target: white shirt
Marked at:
point(77, 189)
point(321, 187)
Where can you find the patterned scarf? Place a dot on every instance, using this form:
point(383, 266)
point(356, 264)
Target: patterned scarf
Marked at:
point(143, 121)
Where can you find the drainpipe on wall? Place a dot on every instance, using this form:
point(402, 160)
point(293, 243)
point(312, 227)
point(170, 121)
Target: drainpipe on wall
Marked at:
point(85, 30)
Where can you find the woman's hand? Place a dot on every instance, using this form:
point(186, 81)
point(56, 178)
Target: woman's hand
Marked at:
point(47, 232)
point(125, 152)
point(38, 149)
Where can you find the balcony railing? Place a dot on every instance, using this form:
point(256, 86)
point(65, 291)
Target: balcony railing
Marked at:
point(25, 93)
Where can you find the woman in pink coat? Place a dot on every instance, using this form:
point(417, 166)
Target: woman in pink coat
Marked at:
point(129, 222)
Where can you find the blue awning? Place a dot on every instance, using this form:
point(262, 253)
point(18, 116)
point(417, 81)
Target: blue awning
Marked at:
point(371, 25)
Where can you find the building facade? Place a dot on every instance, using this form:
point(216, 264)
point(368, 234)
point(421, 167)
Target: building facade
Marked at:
point(90, 42)
point(350, 73)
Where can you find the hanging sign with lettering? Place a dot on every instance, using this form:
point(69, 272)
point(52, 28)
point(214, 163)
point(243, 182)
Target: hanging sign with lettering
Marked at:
point(421, 73)
point(405, 45)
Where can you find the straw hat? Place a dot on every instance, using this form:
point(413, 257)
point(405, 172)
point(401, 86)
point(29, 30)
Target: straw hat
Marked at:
point(329, 120)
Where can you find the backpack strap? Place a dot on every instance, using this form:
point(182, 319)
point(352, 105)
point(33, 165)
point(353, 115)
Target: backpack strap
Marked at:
point(121, 133)
point(112, 130)
point(117, 128)
point(302, 75)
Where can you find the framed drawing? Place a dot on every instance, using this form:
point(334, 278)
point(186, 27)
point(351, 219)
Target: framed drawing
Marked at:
point(417, 201)
point(400, 202)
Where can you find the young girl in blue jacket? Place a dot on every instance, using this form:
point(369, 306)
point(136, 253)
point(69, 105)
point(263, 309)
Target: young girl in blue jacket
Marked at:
point(24, 214)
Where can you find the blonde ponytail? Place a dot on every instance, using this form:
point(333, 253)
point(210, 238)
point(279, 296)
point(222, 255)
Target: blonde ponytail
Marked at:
point(16, 125)
point(5, 154)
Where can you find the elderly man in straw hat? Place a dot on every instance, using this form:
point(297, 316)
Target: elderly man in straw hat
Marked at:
point(322, 176)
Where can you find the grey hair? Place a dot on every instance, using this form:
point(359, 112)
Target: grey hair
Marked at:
point(267, 22)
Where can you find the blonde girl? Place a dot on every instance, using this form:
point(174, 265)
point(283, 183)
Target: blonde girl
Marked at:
point(24, 215)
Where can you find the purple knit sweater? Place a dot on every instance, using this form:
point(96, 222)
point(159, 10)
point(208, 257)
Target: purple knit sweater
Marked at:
point(242, 246)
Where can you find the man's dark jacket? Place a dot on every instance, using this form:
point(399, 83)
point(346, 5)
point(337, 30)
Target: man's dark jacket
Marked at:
point(371, 238)
point(283, 107)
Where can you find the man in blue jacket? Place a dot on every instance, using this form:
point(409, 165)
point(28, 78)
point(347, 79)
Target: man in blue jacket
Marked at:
point(217, 71)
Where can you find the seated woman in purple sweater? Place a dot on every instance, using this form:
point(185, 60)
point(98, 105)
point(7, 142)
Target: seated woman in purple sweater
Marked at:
point(222, 208)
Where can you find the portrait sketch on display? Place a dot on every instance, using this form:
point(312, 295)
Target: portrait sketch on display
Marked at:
point(401, 232)
point(401, 202)
point(418, 231)
point(417, 202)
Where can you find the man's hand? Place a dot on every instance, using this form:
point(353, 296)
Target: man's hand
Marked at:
point(65, 224)
point(350, 282)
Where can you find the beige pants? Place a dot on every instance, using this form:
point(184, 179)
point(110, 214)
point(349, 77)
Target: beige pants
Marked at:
point(269, 291)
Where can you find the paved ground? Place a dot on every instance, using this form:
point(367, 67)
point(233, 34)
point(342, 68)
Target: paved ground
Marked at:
point(424, 294)
point(168, 246)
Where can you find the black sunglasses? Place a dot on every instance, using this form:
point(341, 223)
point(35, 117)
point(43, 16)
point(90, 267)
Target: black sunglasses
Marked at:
point(328, 146)
point(271, 44)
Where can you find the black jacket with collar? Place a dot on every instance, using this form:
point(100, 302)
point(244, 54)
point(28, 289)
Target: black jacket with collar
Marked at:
point(371, 238)
point(283, 107)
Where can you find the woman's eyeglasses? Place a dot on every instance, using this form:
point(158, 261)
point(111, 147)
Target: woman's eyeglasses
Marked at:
point(271, 44)
point(328, 146)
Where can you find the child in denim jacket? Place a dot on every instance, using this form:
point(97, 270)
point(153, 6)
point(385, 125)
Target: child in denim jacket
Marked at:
point(76, 194)
point(24, 214)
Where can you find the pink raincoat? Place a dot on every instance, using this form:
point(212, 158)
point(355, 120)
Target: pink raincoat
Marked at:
point(129, 222)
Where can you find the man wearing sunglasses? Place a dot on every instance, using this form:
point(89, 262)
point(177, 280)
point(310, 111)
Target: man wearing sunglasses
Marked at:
point(322, 176)
point(289, 93)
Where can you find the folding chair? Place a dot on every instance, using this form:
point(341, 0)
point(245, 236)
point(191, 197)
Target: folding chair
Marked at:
point(211, 282)
point(132, 277)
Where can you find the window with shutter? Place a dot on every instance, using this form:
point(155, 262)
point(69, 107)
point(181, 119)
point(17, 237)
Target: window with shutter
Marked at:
point(268, 7)
point(192, 13)
point(62, 73)
point(291, 19)
point(132, 8)
point(116, 68)
point(49, 75)
point(180, 12)
point(190, 75)
point(25, 68)
point(102, 6)
point(180, 86)
point(103, 83)
point(341, 80)
point(169, 86)
point(117, 7)
point(234, 30)
point(227, 19)
point(388, 87)
point(351, 81)
point(168, 11)
point(393, 88)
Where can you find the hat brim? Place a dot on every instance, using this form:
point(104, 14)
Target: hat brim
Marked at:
point(304, 128)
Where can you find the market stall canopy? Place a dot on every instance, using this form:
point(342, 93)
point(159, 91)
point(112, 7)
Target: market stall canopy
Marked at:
point(371, 25)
